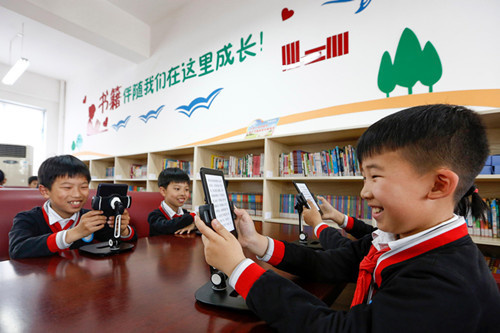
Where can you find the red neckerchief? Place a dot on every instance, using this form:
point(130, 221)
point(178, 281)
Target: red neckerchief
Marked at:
point(56, 227)
point(416, 250)
point(166, 214)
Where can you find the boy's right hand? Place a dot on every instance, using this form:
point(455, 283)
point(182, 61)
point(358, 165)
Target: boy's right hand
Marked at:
point(248, 237)
point(329, 212)
point(90, 222)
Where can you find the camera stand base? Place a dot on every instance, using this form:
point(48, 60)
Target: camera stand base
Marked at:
point(103, 248)
point(226, 298)
point(312, 243)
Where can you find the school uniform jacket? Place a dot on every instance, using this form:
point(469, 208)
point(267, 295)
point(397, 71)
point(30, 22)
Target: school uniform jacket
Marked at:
point(31, 235)
point(331, 238)
point(160, 222)
point(429, 287)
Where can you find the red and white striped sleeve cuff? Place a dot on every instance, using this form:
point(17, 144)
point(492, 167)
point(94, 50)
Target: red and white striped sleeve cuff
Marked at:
point(244, 276)
point(274, 253)
point(319, 228)
point(52, 243)
point(350, 223)
point(130, 234)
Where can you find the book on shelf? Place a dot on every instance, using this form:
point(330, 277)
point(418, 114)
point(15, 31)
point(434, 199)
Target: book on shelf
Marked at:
point(138, 171)
point(110, 172)
point(488, 227)
point(133, 188)
point(250, 165)
point(350, 205)
point(251, 202)
point(185, 166)
point(338, 161)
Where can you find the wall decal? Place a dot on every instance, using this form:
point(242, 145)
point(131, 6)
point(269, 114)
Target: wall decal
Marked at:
point(286, 14)
point(411, 64)
point(94, 125)
point(362, 5)
point(151, 114)
point(260, 128)
point(77, 144)
point(120, 124)
point(335, 46)
point(199, 102)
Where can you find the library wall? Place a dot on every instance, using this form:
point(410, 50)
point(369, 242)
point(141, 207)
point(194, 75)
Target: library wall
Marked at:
point(315, 65)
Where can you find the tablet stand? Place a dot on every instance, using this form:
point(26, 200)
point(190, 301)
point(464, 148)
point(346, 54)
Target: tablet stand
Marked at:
point(114, 245)
point(217, 292)
point(299, 206)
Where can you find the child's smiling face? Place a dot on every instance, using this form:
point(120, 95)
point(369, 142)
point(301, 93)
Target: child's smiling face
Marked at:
point(175, 195)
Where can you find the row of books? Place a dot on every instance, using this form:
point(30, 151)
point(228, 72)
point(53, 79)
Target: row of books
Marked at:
point(132, 188)
point(493, 263)
point(489, 227)
point(138, 171)
point(250, 165)
point(186, 166)
point(110, 172)
point(350, 205)
point(339, 161)
point(251, 202)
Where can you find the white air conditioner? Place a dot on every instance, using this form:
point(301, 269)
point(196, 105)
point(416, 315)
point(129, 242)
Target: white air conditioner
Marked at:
point(16, 162)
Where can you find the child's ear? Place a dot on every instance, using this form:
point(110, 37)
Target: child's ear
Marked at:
point(163, 190)
point(44, 191)
point(445, 183)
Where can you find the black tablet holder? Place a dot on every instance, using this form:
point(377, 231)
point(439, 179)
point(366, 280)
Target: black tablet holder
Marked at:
point(217, 291)
point(113, 205)
point(299, 206)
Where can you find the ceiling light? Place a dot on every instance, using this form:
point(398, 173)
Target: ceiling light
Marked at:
point(16, 71)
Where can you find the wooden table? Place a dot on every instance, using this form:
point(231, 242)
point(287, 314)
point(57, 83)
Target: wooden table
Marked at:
point(150, 289)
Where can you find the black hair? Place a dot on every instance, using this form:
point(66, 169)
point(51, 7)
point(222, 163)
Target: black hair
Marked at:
point(432, 136)
point(32, 178)
point(2, 177)
point(170, 175)
point(60, 166)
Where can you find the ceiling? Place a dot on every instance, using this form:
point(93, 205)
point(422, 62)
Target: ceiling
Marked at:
point(58, 42)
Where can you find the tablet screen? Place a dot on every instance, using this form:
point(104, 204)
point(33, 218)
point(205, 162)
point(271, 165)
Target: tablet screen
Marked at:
point(302, 188)
point(218, 197)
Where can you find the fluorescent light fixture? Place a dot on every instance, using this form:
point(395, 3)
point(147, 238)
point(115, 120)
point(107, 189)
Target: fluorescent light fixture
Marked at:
point(16, 71)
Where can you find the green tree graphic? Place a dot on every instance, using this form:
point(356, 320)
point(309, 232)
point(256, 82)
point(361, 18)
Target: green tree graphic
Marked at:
point(432, 66)
point(411, 64)
point(407, 60)
point(386, 81)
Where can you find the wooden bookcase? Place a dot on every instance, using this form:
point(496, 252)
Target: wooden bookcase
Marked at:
point(271, 185)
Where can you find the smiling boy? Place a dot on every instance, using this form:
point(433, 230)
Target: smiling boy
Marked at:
point(419, 272)
point(170, 217)
point(62, 223)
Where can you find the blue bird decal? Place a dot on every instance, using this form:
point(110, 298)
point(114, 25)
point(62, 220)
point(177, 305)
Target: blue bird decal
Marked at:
point(121, 123)
point(151, 114)
point(362, 5)
point(199, 102)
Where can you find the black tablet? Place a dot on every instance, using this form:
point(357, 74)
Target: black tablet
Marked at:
point(106, 190)
point(302, 188)
point(214, 187)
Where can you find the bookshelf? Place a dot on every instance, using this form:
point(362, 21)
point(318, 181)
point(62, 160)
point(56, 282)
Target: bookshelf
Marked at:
point(270, 184)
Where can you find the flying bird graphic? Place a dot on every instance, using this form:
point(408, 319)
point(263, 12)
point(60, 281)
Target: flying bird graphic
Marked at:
point(362, 5)
point(151, 114)
point(199, 102)
point(121, 123)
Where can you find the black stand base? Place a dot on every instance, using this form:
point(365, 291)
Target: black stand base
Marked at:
point(227, 298)
point(312, 243)
point(103, 248)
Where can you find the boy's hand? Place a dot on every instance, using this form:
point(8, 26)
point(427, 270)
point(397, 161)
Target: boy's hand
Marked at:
point(89, 223)
point(248, 237)
point(311, 215)
point(186, 230)
point(124, 230)
point(222, 249)
point(330, 213)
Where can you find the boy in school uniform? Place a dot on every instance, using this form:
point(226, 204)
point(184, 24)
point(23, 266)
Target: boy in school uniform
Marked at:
point(170, 217)
point(419, 272)
point(62, 223)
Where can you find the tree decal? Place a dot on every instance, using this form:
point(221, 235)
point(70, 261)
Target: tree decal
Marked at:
point(411, 64)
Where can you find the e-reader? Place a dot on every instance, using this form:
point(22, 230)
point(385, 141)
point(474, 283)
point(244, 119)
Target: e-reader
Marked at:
point(106, 190)
point(214, 187)
point(302, 188)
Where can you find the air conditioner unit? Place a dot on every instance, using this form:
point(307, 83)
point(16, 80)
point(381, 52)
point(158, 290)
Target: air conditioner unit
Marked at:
point(17, 164)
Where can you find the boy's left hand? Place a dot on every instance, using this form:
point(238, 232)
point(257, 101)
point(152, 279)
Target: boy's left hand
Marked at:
point(186, 230)
point(222, 249)
point(124, 231)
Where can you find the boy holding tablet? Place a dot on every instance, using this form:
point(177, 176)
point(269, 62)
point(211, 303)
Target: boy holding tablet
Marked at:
point(419, 272)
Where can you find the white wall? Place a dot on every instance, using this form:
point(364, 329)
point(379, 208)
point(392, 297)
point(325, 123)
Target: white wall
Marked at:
point(464, 33)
